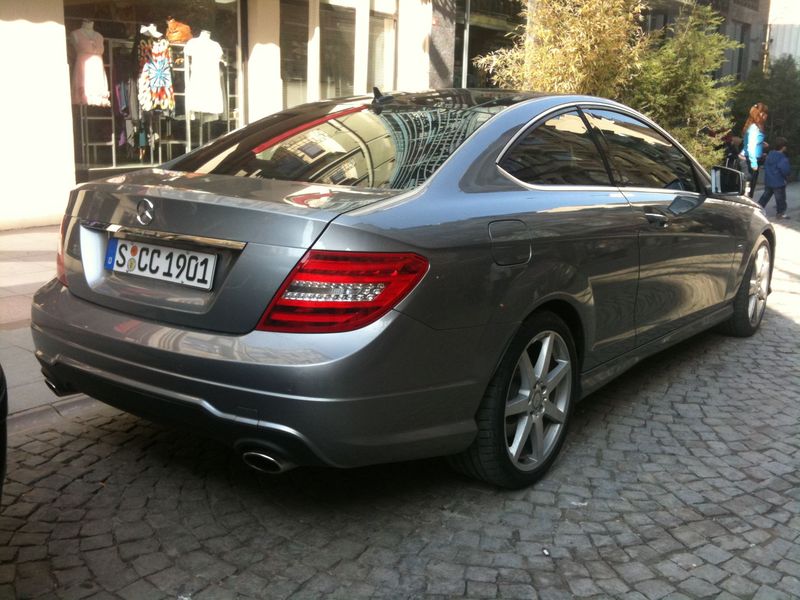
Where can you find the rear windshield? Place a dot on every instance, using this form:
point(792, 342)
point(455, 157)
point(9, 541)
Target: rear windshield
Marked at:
point(395, 143)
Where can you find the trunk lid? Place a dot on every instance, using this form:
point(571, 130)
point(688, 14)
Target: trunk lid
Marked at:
point(253, 231)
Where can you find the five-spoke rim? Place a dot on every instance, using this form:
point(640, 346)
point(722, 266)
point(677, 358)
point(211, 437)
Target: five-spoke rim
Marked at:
point(538, 400)
point(759, 285)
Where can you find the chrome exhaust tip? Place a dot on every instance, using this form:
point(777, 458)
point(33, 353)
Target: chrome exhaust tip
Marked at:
point(57, 389)
point(264, 463)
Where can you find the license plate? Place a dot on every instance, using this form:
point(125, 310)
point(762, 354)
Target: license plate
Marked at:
point(184, 267)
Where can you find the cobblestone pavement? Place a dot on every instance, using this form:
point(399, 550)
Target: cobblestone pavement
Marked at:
point(679, 480)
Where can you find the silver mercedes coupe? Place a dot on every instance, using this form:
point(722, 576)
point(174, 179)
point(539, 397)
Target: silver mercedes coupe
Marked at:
point(398, 276)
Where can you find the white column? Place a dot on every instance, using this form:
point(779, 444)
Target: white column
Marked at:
point(38, 165)
point(361, 48)
point(264, 83)
point(312, 89)
point(413, 38)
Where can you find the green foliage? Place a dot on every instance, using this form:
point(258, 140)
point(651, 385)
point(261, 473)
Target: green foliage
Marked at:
point(675, 85)
point(571, 47)
point(780, 91)
point(597, 47)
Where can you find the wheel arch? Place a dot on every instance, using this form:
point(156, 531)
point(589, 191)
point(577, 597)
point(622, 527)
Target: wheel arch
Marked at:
point(769, 234)
point(570, 315)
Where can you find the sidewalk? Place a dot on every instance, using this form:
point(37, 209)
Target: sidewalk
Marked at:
point(27, 260)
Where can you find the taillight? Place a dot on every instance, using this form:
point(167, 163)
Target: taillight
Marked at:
point(332, 291)
point(61, 274)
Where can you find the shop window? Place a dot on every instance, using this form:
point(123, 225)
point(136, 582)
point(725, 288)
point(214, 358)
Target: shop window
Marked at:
point(337, 30)
point(380, 69)
point(150, 80)
point(294, 51)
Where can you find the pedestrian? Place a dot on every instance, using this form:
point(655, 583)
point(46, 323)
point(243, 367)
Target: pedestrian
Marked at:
point(776, 175)
point(731, 146)
point(753, 145)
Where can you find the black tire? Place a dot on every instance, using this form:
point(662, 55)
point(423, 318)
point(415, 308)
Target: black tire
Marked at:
point(744, 322)
point(518, 383)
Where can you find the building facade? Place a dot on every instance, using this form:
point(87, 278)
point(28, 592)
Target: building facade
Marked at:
point(746, 21)
point(784, 29)
point(98, 90)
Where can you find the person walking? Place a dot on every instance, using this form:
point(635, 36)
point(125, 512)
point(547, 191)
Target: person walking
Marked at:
point(753, 146)
point(776, 175)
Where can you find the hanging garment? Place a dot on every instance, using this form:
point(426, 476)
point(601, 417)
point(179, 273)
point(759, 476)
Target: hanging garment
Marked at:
point(203, 90)
point(89, 82)
point(155, 75)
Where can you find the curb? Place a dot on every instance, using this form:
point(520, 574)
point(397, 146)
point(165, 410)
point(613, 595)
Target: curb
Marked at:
point(50, 413)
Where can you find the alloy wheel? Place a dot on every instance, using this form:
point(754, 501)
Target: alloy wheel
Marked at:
point(759, 285)
point(537, 403)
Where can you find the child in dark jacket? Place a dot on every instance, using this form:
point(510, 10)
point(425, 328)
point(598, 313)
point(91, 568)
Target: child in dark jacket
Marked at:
point(776, 174)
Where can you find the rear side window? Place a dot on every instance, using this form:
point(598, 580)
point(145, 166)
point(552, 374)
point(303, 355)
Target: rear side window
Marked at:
point(640, 156)
point(559, 151)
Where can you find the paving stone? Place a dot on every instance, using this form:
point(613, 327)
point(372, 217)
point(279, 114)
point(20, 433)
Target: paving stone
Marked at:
point(713, 554)
point(739, 586)
point(768, 593)
point(633, 572)
point(698, 588)
point(654, 589)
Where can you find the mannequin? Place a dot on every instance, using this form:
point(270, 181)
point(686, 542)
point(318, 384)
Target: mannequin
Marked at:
point(203, 89)
point(155, 74)
point(89, 82)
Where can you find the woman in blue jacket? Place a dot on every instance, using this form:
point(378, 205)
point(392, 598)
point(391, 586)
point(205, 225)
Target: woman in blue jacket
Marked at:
point(753, 134)
point(776, 174)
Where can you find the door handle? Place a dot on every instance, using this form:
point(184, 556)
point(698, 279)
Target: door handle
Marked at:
point(657, 218)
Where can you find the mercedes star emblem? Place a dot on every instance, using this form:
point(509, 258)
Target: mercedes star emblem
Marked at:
point(145, 211)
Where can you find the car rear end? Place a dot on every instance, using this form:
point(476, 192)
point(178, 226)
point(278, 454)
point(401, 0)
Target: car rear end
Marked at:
point(213, 296)
point(220, 314)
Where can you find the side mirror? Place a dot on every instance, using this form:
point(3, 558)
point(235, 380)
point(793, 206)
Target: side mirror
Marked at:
point(726, 181)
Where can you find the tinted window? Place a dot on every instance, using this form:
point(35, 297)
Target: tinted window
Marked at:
point(559, 151)
point(397, 144)
point(640, 156)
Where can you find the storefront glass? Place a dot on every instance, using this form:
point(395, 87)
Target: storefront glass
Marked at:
point(150, 80)
point(294, 51)
point(348, 46)
point(380, 72)
point(337, 34)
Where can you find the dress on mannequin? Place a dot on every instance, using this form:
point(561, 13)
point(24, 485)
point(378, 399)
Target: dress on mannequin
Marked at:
point(89, 82)
point(155, 75)
point(203, 89)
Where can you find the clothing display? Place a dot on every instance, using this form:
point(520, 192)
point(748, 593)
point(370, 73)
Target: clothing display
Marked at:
point(167, 91)
point(203, 89)
point(89, 82)
point(177, 32)
point(155, 76)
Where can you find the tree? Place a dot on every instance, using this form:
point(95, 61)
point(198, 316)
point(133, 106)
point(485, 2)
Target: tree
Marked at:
point(571, 46)
point(597, 47)
point(675, 84)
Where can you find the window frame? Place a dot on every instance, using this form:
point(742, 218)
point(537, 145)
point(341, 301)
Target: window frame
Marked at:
point(539, 120)
point(700, 176)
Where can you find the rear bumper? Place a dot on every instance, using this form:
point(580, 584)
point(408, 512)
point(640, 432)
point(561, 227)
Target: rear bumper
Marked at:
point(394, 390)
